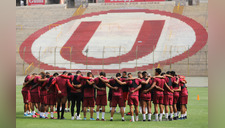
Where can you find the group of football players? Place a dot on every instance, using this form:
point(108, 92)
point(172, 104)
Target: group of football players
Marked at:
point(167, 91)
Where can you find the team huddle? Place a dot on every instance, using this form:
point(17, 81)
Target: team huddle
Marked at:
point(167, 91)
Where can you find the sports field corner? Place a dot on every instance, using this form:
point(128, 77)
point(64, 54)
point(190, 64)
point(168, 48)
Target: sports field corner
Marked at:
point(197, 116)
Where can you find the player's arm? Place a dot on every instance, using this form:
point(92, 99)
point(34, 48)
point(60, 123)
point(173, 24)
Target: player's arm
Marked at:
point(169, 75)
point(90, 82)
point(147, 90)
point(57, 87)
point(109, 86)
point(120, 82)
point(159, 88)
point(176, 82)
point(103, 80)
point(98, 87)
point(34, 86)
point(161, 77)
point(84, 78)
point(145, 82)
point(136, 89)
point(166, 85)
point(77, 86)
point(25, 83)
point(133, 78)
point(72, 87)
point(177, 90)
point(43, 80)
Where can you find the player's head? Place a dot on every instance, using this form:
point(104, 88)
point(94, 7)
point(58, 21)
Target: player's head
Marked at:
point(173, 73)
point(55, 74)
point(89, 74)
point(69, 74)
point(168, 73)
point(34, 74)
point(47, 73)
point(102, 74)
point(124, 74)
point(163, 74)
point(64, 73)
point(144, 74)
point(118, 75)
point(158, 71)
point(129, 75)
point(42, 74)
point(139, 74)
point(78, 72)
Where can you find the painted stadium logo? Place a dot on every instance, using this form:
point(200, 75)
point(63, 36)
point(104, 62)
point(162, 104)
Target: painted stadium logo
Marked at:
point(115, 39)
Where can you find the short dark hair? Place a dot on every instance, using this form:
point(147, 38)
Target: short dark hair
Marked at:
point(102, 74)
point(88, 74)
point(144, 73)
point(64, 72)
point(163, 73)
point(69, 74)
point(56, 74)
point(158, 70)
point(118, 74)
point(125, 72)
point(47, 73)
point(173, 73)
point(78, 72)
point(139, 72)
point(34, 74)
point(168, 72)
point(129, 74)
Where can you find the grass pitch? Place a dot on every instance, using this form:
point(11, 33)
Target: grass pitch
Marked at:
point(197, 116)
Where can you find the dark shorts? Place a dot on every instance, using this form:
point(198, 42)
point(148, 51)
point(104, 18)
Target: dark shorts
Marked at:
point(88, 102)
point(110, 96)
point(26, 97)
point(117, 100)
point(51, 99)
point(61, 95)
point(44, 99)
point(183, 99)
point(133, 100)
point(168, 100)
point(125, 95)
point(158, 99)
point(175, 99)
point(68, 96)
point(35, 97)
point(101, 100)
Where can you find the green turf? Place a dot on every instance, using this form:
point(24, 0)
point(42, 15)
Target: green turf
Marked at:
point(197, 116)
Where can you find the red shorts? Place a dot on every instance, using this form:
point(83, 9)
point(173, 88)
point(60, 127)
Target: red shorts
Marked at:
point(168, 100)
point(101, 100)
point(117, 100)
point(158, 99)
point(61, 95)
point(51, 99)
point(43, 99)
point(133, 100)
point(183, 99)
point(34, 97)
point(125, 95)
point(26, 97)
point(146, 97)
point(175, 99)
point(88, 102)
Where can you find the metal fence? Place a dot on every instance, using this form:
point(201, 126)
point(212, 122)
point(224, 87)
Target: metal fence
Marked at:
point(189, 63)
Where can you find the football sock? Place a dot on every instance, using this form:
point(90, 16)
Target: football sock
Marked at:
point(140, 108)
point(136, 118)
point(46, 114)
point(146, 110)
point(110, 108)
point(149, 116)
point(185, 113)
point(33, 112)
point(111, 118)
point(144, 116)
point(182, 115)
point(160, 116)
point(97, 113)
point(171, 115)
point(103, 115)
point(156, 116)
point(132, 118)
point(58, 110)
point(166, 115)
point(175, 114)
point(124, 108)
point(27, 111)
point(122, 118)
point(178, 113)
point(52, 114)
